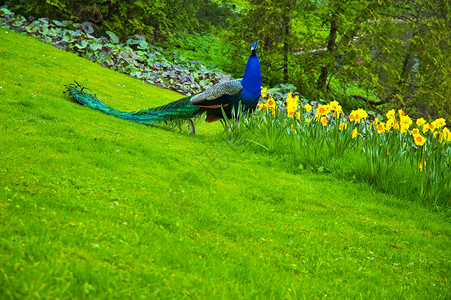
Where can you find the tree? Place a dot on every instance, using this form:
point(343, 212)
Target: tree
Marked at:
point(391, 53)
point(269, 21)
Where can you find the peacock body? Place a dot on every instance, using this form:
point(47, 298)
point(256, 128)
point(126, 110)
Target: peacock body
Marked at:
point(224, 96)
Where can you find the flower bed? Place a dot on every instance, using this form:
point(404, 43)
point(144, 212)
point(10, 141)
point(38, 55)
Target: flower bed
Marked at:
point(395, 148)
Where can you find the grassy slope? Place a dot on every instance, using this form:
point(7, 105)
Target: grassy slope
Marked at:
point(94, 205)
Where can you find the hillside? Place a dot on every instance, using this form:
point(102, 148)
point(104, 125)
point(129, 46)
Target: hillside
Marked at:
point(94, 206)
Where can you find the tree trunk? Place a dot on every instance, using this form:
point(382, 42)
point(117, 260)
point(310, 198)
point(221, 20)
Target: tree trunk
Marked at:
point(402, 88)
point(343, 43)
point(286, 48)
point(287, 32)
point(331, 43)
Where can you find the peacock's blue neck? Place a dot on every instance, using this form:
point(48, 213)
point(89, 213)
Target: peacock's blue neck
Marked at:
point(252, 78)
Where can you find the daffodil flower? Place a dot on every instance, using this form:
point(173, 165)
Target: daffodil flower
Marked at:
point(419, 140)
point(380, 128)
point(420, 122)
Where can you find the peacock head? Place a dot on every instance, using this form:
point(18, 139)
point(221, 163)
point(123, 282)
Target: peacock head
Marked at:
point(254, 48)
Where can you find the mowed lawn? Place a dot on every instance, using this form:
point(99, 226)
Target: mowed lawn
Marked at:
point(92, 206)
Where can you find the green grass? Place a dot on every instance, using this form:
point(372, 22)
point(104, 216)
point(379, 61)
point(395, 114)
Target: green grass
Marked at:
point(92, 206)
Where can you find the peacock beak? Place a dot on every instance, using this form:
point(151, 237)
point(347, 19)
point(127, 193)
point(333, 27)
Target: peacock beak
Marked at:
point(254, 46)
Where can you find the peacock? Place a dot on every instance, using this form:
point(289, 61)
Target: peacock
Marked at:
point(218, 101)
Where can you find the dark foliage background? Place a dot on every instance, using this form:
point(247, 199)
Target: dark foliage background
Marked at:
point(375, 54)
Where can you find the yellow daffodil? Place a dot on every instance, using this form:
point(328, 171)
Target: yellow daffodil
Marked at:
point(401, 113)
point(380, 128)
point(425, 128)
point(308, 107)
point(389, 124)
point(353, 116)
point(404, 129)
point(415, 131)
point(354, 133)
point(419, 140)
point(439, 123)
point(405, 121)
point(292, 105)
point(296, 100)
point(357, 115)
point(420, 165)
point(390, 114)
point(447, 134)
point(263, 92)
point(324, 121)
point(271, 103)
point(307, 120)
point(362, 113)
point(317, 117)
point(337, 111)
point(260, 106)
point(298, 115)
point(342, 126)
point(420, 122)
point(376, 121)
point(323, 110)
point(334, 105)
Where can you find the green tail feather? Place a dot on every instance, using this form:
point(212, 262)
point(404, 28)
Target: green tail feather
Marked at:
point(180, 109)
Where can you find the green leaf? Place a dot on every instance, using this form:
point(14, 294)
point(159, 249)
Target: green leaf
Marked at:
point(67, 38)
point(113, 37)
point(82, 45)
point(95, 46)
point(136, 73)
point(66, 23)
point(143, 45)
point(30, 28)
point(4, 11)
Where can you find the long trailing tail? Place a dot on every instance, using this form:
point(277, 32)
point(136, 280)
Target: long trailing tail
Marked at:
point(180, 109)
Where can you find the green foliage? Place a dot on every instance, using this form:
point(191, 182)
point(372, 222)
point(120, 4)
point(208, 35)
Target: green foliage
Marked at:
point(393, 53)
point(268, 131)
point(135, 57)
point(339, 140)
point(388, 52)
point(267, 21)
point(232, 128)
point(384, 152)
point(201, 49)
point(389, 159)
point(432, 163)
point(310, 139)
point(153, 18)
point(217, 14)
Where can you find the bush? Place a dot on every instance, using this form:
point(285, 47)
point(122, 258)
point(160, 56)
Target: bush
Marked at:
point(156, 18)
